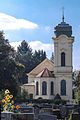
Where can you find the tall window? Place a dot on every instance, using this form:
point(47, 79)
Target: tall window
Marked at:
point(52, 88)
point(44, 88)
point(63, 87)
point(37, 88)
point(62, 59)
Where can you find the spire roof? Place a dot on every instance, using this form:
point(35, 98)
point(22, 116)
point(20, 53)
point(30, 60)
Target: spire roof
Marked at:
point(63, 27)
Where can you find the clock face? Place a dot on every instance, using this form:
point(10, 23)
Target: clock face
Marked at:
point(63, 44)
point(62, 41)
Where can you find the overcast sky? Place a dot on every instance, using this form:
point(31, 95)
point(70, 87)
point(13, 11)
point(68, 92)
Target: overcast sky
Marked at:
point(34, 21)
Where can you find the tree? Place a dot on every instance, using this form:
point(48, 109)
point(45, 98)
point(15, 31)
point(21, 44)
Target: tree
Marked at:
point(24, 55)
point(38, 57)
point(15, 65)
point(29, 59)
point(8, 66)
point(52, 57)
point(24, 48)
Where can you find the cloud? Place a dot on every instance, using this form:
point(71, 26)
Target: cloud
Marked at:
point(36, 45)
point(8, 22)
point(15, 44)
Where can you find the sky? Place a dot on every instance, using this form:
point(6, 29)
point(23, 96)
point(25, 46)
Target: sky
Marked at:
point(34, 21)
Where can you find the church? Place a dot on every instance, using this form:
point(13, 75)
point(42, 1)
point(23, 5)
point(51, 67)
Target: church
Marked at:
point(48, 78)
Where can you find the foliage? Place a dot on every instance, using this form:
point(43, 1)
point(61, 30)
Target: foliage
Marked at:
point(29, 59)
point(74, 77)
point(22, 96)
point(24, 48)
point(7, 64)
point(19, 73)
point(58, 101)
point(50, 101)
point(77, 97)
point(1, 94)
point(38, 57)
point(14, 66)
point(70, 116)
point(57, 97)
point(10, 70)
point(52, 57)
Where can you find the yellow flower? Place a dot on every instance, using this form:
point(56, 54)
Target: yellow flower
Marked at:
point(12, 102)
point(12, 106)
point(3, 100)
point(8, 100)
point(7, 91)
point(7, 97)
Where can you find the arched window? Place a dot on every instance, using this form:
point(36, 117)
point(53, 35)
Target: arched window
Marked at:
point(37, 88)
point(52, 88)
point(63, 87)
point(44, 88)
point(62, 59)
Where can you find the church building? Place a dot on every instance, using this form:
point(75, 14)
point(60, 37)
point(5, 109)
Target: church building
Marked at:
point(48, 78)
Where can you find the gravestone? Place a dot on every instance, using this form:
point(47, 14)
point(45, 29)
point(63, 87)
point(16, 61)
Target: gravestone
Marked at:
point(22, 116)
point(26, 110)
point(6, 115)
point(47, 117)
point(75, 116)
point(63, 111)
point(26, 113)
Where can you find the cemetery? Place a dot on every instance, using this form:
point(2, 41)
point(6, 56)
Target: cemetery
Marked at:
point(33, 86)
point(32, 111)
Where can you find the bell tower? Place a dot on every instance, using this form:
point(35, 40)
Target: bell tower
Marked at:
point(63, 48)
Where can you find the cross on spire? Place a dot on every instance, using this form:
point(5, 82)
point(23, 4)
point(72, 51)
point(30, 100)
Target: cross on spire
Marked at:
point(62, 14)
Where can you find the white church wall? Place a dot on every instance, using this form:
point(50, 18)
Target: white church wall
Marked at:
point(48, 81)
point(68, 79)
point(31, 79)
point(28, 88)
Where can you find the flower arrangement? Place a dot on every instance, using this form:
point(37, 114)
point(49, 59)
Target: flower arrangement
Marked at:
point(7, 101)
point(17, 108)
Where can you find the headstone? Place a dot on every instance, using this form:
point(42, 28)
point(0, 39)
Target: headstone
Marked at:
point(47, 117)
point(6, 115)
point(63, 111)
point(75, 116)
point(22, 116)
point(27, 110)
point(17, 116)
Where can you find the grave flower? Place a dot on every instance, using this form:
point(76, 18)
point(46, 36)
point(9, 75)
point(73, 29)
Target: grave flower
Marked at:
point(8, 103)
point(18, 107)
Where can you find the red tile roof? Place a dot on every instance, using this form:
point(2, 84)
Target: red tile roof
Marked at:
point(45, 73)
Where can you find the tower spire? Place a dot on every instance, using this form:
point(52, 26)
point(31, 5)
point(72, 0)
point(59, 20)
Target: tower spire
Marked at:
point(62, 14)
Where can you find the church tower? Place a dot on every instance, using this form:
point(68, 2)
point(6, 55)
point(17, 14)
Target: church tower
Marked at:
point(63, 43)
